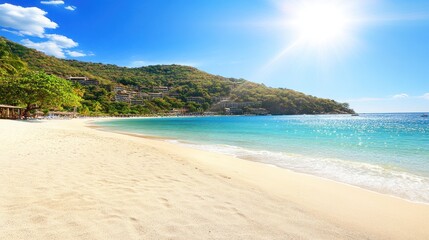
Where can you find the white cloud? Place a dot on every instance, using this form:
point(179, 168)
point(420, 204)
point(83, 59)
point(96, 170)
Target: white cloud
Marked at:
point(71, 8)
point(62, 41)
point(76, 53)
point(12, 31)
point(400, 96)
point(29, 21)
point(426, 96)
point(49, 47)
point(52, 2)
point(55, 46)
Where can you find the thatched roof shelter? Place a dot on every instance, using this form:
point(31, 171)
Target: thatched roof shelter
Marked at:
point(10, 112)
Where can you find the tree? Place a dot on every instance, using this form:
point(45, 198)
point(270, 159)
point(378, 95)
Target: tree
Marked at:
point(9, 63)
point(97, 107)
point(38, 90)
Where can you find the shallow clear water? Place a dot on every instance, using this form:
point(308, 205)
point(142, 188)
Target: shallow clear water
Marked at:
point(388, 153)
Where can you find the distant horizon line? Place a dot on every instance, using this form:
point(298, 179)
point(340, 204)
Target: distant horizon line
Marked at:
point(391, 112)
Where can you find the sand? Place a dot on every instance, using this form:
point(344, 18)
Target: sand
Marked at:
point(62, 180)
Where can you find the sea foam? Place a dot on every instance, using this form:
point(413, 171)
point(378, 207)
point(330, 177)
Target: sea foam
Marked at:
point(382, 179)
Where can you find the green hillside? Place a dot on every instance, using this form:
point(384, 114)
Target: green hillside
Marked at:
point(40, 61)
point(188, 87)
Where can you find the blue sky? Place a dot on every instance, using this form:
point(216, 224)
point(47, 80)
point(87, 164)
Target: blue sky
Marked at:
point(379, 62)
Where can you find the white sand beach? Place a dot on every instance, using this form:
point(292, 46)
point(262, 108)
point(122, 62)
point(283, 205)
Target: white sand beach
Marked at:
point(61, 179)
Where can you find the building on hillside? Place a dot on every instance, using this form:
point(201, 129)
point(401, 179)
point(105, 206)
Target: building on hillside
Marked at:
point(136, 101)
point(144, 96)
point(135, 94)
point(162, 89)
point(174, 94)
point(11, 112)
point(77, 78)
point(219, 99)
point(155, 95)
point(83, 80)
point(118, 88)
point(122, 97)
point(195, 99)
point(233, 111)
point(144, 88)
point(133, 98)
point(91, 82)
point(135, 88)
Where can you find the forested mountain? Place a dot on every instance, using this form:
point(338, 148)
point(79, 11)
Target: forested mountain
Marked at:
point(188, 87)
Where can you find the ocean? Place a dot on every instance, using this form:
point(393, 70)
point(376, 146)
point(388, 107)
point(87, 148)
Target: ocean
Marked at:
point(386, 153)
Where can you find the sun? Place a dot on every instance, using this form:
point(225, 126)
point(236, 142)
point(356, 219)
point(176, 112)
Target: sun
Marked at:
point(320, 24)
point(322, 31)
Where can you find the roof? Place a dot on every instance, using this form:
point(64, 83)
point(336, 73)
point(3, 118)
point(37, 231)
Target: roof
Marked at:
point(9, 106)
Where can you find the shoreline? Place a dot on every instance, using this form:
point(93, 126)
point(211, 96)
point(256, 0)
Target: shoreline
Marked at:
point(193, 145)
point(109, 182)
point(290, 171)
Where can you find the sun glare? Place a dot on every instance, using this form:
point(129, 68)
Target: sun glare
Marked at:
point(321, 24)
point(323, 29)
point(317, 31)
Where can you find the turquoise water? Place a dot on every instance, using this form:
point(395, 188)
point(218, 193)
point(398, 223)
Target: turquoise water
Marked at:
point(388, 153)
